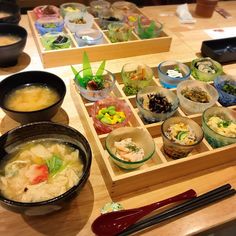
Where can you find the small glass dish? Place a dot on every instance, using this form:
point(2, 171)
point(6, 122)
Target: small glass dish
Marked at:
point(49, 24)
point(147, 29)
point(97, 6)
point(171, 73)
point(123, 7)
point(106, 17)
point(92, 94)
point(175, 149)
point(78, 22)
point(135, 77)
point(226, 87)
point(137, 135)
point(55, 41)
point(72, 7)
point(89, 37)
point(119, 32)
point(205, 69)
point(217, 131)
point(164, 101)
point(46, 11)
point(120, 106)
point(198, 91)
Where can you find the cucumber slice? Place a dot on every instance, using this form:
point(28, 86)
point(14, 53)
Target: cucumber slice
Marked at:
point(182, 135)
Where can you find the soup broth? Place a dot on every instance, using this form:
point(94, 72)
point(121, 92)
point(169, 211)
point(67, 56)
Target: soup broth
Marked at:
point(40, 170)
point(31, 98)
point(8, 39)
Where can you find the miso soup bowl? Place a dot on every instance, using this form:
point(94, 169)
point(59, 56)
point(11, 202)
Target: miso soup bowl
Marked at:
point(14, 81)
point(9, 54)
point(53, 131)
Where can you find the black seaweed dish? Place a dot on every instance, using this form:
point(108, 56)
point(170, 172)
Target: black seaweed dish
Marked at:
point(29, 78)
point(53, 131)
point(9, 53)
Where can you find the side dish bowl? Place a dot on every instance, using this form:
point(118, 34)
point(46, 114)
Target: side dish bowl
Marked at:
point(193, 107)
point(167, 110)
point(10, 53)
point(205, 69)
point(46, 11)
point(212, 132)
point(178, 150)
point(77, 22)
point(72, 7)
point(168, 81)
point(13, 139)
point(226, 87)
point(119, 105)
point(138, 136)
point(107, 79)
point(27, 78)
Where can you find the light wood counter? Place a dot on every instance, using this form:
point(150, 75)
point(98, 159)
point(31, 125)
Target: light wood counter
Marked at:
point(77, 218)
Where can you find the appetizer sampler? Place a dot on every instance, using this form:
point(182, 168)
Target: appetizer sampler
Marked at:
point(181, 133)
point(128, 150)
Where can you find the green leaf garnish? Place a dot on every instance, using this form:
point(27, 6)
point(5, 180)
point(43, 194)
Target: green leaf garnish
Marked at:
point(54, 164)
point(224, 123)
point(86, 65)
point(88, 73)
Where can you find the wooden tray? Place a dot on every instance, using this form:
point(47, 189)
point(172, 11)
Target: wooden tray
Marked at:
point(107, 50)
point(159, 168)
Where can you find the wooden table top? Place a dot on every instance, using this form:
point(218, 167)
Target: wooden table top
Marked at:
point(77, 218)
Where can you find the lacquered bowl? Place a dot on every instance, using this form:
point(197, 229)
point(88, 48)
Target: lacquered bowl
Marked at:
point(120, 106)
point(137, 135)
point(30, 78)
point(150, 116)
point(167, 81)
point(191, 107)
point(9, 54)
point(177, 150)
point(53, 131)
point(12, 12)
point(212, 136)
point(222, 83)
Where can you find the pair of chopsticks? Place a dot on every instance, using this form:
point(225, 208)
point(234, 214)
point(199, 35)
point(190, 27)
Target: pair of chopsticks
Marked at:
point(195, 203)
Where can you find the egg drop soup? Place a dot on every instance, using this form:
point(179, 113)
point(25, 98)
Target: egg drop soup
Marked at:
point(29, 98)
point(40, 170)
point(8, 39)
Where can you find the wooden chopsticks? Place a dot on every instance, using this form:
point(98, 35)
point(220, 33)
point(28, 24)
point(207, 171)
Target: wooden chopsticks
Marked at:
point(195, 203)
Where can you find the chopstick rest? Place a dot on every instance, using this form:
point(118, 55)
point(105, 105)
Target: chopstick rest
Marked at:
point(193, 204)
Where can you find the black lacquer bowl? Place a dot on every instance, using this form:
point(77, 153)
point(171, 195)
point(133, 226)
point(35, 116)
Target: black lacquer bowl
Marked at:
point(53, 131)
point(12, 10)
point(9, 53)
point(29, 78)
